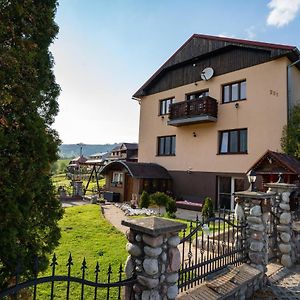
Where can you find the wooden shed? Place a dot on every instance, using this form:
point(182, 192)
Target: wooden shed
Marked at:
point(130, 179)
point(271, 164)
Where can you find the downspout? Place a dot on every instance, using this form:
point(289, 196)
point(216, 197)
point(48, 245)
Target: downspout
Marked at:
point(290, 88)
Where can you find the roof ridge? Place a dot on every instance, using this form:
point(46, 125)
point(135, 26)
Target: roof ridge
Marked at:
point(244, 41)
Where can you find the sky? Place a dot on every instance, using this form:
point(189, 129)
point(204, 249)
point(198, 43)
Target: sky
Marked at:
point(106, 49)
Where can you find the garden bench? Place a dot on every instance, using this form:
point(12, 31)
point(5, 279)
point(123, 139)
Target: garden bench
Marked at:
point(233, 284)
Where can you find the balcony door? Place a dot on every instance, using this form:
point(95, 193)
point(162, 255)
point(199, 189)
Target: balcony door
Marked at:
point(226, 187)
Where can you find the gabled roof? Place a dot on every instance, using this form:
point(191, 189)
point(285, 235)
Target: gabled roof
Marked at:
point(199, 46)
point(130, 146)
point(139, 170)
point(290, 164)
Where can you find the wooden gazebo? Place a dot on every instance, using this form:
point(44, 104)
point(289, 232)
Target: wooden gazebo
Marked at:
point(272, 164)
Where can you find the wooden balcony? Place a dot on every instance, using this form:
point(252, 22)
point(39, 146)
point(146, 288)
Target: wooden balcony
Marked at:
point(201, 110)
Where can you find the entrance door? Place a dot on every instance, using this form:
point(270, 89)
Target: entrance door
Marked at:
point(226, 187)
point(128, 188)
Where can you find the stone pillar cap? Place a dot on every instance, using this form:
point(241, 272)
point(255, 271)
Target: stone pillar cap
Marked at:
point(154, 226)
point(254, 195)
point(281, 185)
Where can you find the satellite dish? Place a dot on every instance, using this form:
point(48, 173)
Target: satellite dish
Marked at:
point(207, 73)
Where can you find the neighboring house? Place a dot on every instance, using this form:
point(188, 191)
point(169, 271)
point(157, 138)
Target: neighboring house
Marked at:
point(127, 180)
point(74, 169)
point(213, 109)
point(124, 151)
point(99, 159)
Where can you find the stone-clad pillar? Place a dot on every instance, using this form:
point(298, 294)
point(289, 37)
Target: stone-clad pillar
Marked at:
point(257, 238)
point(284, 227)
point(154, 257)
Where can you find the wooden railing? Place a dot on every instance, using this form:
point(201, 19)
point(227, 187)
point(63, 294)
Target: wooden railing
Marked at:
point(207, 106)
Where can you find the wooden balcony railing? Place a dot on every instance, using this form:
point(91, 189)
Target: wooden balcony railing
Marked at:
point(200, 110)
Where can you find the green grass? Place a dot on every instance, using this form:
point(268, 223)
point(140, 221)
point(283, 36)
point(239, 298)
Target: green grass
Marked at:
point(86, 234)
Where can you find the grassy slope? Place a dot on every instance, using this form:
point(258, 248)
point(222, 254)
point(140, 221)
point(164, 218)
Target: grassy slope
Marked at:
point(85, 233)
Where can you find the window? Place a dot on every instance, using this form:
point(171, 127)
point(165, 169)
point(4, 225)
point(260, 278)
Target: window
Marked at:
point(164, 106)
point(233, 141)
point(234, 92)
point(166, 145)
point(117, 177)
point(197, 95)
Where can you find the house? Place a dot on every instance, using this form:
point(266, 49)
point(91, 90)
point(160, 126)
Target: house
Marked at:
point(213, 109)
point(126, 180)
point(124, 151)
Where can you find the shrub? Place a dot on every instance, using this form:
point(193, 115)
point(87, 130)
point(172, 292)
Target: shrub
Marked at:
point(171, 208)
point(159, 198)
point(144, 200)
point(207, 209)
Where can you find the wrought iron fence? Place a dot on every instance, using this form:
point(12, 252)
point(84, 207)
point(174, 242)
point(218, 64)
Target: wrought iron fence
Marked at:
point(210, 247)
point(96, 284)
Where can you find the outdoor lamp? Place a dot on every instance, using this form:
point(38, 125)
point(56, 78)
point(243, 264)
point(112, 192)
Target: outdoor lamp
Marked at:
point(205, 229)
point(252, 178)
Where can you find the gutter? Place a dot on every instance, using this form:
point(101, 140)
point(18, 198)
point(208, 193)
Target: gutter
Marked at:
point(290, 88)
point(137, 99)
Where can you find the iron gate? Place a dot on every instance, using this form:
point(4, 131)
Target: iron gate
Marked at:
point(210, 247)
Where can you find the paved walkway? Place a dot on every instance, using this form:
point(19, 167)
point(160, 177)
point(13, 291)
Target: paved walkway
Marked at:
point(114, 215)
point(284, 284)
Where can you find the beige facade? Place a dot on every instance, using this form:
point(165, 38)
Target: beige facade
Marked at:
point(263, 113)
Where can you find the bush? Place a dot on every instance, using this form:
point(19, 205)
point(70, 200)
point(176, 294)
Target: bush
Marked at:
point(159, 198)
point(207, 209)
point(171, 208)
point(144, 200)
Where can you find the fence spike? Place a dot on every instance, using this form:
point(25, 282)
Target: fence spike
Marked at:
point(120, 269)
point(97, 268)
point(54, 261)
point(70, 261)
point(109, 271)
point(18, 271)
point(36, 266)
point(83, 265)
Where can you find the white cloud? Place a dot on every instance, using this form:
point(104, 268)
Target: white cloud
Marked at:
point(282, 12)
point(250, 31)
point(226, 35)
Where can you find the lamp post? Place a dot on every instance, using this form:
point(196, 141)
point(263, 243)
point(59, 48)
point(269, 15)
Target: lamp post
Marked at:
point(252, 178)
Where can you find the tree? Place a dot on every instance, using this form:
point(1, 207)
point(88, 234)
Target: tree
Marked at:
point(29, 211)
point(290, 141)
point(207, 209)
point(144, 200)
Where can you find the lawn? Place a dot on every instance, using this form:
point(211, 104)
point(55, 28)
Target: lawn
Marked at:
point(86, 234)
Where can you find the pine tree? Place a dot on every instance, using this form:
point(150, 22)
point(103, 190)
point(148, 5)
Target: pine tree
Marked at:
point(29, 211)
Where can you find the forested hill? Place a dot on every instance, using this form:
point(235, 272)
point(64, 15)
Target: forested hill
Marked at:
point(73, 150)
